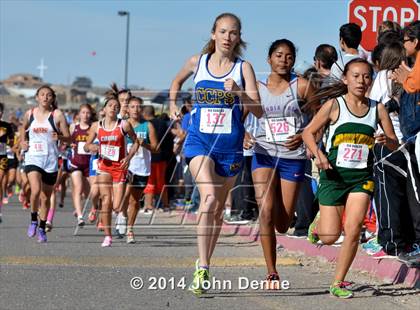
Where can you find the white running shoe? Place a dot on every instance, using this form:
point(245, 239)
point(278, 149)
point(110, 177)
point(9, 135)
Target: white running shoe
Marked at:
point(123, 225)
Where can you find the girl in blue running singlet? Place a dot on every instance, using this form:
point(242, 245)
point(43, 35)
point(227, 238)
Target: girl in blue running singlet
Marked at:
point(225, 91)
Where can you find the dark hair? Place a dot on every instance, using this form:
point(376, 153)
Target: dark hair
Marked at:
point(389, 25)
point(311, 74)
point(54, 102)
point(412, 31)
point(286, 42)
point(210, 46)
point(108, 98)
point(389, 36)
point(1, 107)
point(149, 110)
point(135, 98)
point(376, 54)
point(115, 91)
point(391, 57)
point(351, 34)
point(326, 54)
point(339, 88)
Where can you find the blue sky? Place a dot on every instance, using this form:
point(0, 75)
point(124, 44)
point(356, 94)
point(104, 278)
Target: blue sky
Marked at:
point(163, 34)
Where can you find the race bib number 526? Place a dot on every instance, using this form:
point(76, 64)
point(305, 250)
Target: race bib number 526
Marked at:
point(278, 129)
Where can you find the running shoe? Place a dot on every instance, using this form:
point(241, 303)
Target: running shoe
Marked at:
point(123, 225)
point(117, 222)
point(312, 233)
point(32, 229)
point(272, 281)
point(130, 237)
point(10, 194)
point(80, 221)
point(42, 235)
point(21, 197)
point(107, 242)
point(196, 286)
point(48, 226)
point(339, 289)
point(372, 246)
point(234, 220)
point(5, 200)
point(298, 235)
point(339, 241)
point(148, 211)
point(411, 259)
point(25, 205)
point(92, 216)
point(61, 205)
point(100, 226)
point(1, 218)
point(381, 255)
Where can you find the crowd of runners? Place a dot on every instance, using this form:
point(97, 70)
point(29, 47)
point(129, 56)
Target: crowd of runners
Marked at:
point(353, 117)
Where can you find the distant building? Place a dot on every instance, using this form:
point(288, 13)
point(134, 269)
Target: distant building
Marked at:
point(23, 80)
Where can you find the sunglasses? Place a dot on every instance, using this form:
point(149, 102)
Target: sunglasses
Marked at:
point(406, 40)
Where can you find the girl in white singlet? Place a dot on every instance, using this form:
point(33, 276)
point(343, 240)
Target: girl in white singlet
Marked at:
point(43, 126)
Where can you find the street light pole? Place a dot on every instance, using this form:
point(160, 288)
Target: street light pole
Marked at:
point(126, 13)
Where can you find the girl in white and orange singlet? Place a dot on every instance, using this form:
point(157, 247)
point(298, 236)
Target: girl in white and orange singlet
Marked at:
point(113, 160)
point(45, 126)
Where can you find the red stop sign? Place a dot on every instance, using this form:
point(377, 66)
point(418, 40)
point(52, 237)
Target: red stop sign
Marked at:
point(369, 14)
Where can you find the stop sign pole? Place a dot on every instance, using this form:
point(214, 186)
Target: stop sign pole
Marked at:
point(369, 14)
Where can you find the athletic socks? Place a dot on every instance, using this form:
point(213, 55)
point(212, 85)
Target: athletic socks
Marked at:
point(50, 215)
point(34, 216)
point(42, 224)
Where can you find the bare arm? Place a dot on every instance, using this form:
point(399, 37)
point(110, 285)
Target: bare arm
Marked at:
point(251, 97)
point(309, 135)
point(89, 146)
point(187, 70)
point(22, 131)
point(63, 127)
point(152, 147)
point(389, 139)
point(130, 132)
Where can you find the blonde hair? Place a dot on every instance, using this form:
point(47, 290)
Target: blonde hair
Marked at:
point(210, 46)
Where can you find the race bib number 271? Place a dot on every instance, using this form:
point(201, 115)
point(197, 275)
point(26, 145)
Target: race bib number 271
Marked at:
point(352, 155)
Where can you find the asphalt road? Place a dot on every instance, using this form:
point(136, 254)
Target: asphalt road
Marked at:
point(74, 272)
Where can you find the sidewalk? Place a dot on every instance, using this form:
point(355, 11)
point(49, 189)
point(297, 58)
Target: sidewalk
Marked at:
point(389, 270)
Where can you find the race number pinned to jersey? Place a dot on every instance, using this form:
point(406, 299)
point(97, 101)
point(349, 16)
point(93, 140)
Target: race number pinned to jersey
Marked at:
point(110, 152)
point(278, 129)
point(80, 149)
point(216, 120)
point(353, 156)
point(38, 148)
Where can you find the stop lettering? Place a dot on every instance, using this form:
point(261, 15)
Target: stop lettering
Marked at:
point(369, 14)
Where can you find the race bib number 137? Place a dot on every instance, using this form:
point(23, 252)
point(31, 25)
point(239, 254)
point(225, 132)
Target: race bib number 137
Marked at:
point(216, 120)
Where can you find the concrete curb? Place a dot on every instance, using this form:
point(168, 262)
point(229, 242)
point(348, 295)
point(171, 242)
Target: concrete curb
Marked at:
point(389, 270)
